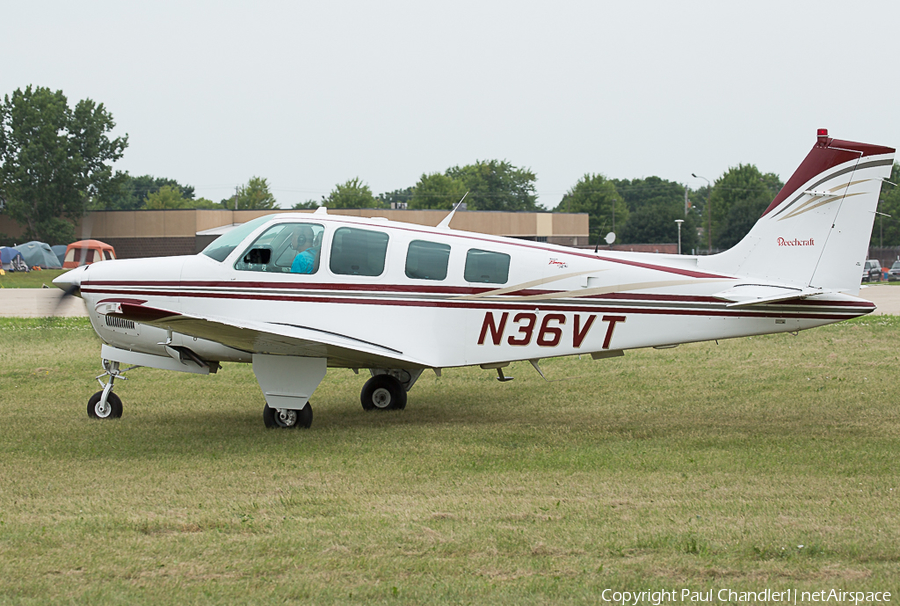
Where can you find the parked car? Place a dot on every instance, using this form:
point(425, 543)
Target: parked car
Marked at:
point(894, 272)
point(872, 271)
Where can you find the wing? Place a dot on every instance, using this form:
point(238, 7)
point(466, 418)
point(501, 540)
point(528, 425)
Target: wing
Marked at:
point(265, 337)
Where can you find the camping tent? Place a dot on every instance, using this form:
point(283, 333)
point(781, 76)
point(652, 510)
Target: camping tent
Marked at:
point(85, 252)
point(60, 251)
point(11, 259)
point(38, 254)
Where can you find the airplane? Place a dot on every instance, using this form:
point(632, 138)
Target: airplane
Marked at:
point(398, 299)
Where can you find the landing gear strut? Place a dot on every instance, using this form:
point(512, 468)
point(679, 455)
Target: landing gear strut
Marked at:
point(105, 404)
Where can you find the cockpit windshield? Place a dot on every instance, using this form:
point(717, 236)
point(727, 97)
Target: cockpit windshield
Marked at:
point(222, 246)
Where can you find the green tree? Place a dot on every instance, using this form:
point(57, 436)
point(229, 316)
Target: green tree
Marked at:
point(170, 197)
point(886, 230)
point(55, 160)
point(167, 197)
point(124, 192)
point(697, 198)
point(655, 224)
point(654, 204)
point(352, 194)
point(437, 191)
point(398, 196)
point(496, 185)
point(596, 195)
point(204, 203)
point(737, 200)
point(650, 191)
point(254, 195)
point(308, 205)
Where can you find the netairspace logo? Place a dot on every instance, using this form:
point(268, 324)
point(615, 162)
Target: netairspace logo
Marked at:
point(786, 596)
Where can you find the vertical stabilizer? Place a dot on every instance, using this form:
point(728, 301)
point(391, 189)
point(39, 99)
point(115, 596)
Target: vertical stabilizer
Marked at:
point(815, 233)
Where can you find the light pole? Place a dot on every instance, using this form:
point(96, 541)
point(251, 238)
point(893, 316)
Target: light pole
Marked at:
point(708, 211)
point(679, 221)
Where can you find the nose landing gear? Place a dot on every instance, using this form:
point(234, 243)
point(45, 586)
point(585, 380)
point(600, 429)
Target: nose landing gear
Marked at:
point(105, 404)
point(104, 408)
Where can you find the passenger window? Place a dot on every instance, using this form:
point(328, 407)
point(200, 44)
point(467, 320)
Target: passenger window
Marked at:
point(486, 266)
point(358, 252)
point(285, 248)
point(427, 260)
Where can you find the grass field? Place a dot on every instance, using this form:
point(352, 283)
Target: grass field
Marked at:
point(767, 462)
point(31, 279)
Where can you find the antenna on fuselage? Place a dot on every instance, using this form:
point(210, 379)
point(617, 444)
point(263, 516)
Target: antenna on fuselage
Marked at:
point(610, 238)
point(445, 224)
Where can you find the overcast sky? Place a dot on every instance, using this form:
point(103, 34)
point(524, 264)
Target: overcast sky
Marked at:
point(311, 94)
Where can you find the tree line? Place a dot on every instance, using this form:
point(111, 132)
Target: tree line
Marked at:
point(56, 165)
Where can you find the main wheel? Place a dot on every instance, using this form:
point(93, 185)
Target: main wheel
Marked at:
point(112, 409)
point(286, 418)
point(383, 392)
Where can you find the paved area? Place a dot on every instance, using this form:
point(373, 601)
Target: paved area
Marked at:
point(886, 297)
point(43, 302)
point(39, 303)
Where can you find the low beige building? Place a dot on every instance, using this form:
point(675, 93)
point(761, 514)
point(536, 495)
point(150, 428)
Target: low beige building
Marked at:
point(152, 233)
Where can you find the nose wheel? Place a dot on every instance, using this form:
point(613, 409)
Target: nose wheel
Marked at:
point(108, 408)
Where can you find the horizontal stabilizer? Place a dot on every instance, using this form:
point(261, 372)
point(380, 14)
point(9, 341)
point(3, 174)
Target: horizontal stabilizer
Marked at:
point(743, 295)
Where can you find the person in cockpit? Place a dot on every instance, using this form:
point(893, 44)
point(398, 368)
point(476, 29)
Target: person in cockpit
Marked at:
point(303, 241)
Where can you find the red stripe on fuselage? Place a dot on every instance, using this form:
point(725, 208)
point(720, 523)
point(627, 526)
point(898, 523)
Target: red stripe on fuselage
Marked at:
point(185, 288)
point(559, 305)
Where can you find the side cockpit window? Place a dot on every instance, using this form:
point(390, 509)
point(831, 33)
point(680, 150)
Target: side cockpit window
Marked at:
point(285, 248)
point(486, 266)
point(427, 260)
point(358, 252)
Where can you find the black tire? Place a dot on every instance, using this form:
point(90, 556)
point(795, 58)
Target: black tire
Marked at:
point(383, 392)
point(113, 409)
point(289, 419)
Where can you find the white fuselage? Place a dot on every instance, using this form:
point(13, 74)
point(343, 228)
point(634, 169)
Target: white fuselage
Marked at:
point(554, 301)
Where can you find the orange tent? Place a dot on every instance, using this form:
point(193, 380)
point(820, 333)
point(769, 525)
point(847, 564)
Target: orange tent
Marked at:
point(85, 252)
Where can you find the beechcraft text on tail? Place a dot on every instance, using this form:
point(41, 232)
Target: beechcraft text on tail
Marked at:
point(295, 294)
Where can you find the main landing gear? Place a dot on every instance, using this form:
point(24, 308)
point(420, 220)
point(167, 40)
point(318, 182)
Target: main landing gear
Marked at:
point(284, 418)
point(386, 390)
point(383, 392)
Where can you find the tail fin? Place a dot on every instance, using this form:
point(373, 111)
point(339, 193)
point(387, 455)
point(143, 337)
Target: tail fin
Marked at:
point(815, 233)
